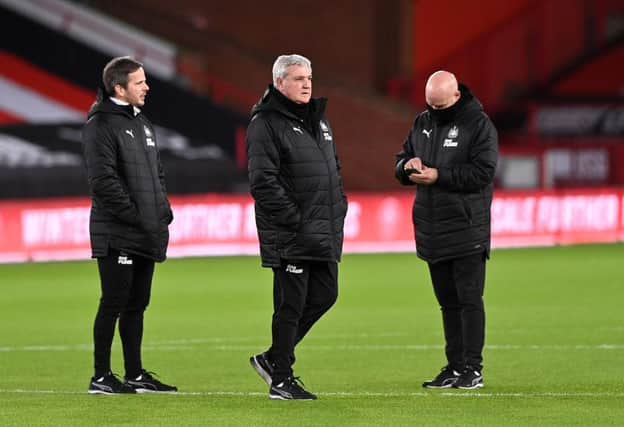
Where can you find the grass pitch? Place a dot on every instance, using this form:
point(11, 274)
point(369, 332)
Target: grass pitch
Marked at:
point(553, 355)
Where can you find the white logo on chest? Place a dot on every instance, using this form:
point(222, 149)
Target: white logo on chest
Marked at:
point(450, 137)
point(453, 133)
point(149, 140)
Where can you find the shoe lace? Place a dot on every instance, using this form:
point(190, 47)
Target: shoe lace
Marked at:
point(150, 375)
point(471, 370)
point(113, 376)
point(297, 382)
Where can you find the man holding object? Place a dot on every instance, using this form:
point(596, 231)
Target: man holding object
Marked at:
point(450, 155)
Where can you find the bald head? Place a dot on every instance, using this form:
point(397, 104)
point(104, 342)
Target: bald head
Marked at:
point(441, 90)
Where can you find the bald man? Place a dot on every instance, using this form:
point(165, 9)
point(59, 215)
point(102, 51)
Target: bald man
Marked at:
point(450, 155)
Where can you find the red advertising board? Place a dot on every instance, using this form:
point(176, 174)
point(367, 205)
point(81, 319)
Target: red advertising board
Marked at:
point(221, 224)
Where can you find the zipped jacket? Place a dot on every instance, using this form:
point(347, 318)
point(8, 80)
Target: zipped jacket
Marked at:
point(294, 177)
point(130, 211)
point(452, 216)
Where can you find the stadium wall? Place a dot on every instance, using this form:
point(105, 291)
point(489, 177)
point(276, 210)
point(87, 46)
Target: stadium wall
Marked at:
point(220, 224)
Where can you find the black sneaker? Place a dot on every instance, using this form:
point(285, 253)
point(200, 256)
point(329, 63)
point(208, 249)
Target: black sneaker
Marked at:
point(469, 379)
point(290, 389)
point(146, 383)
point(109, 384)
point(445, 379)
point(264, 368)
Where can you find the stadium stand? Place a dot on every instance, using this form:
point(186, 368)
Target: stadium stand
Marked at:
point(544, 71)
point(550, 75)
point(47, 92)
point(526, 49)
point(228, 48)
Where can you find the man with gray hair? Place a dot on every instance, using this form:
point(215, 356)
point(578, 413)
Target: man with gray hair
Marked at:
point(300, 206)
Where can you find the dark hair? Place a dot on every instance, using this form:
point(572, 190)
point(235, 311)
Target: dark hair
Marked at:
point(116, 72)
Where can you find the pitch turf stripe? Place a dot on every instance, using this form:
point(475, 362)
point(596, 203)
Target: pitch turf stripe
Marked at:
point(347, 347)
point(458, 393)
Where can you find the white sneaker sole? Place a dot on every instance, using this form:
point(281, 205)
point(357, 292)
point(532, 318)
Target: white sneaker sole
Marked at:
point(263, 374)
point(278, 397)
point(146, 391)
point(480, 385)
point(438, 386)
point(106, 393)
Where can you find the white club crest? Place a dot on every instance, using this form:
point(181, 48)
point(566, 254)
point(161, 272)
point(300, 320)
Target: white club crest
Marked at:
point(453, 133)
point(149, 140)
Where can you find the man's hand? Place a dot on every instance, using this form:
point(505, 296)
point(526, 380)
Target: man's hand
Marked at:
point(413, 163)
point(422, 174)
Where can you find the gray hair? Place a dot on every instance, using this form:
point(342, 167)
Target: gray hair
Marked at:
point(281, 64)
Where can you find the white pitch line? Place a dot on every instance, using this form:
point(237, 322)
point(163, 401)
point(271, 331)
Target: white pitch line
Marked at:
point(347, 394)
point(174, 344)
point(323, 337)
point(321, 347)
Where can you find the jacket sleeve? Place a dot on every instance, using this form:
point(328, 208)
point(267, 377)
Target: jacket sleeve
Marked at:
point(406, 153)
point(265, 183)
point(480, 169)
point(105, 184)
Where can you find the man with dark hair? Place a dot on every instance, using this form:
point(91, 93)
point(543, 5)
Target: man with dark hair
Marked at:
point(130, 214)
point(294, 175)
point(450, 155)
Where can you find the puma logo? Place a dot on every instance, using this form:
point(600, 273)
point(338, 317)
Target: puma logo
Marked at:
point(427, 132)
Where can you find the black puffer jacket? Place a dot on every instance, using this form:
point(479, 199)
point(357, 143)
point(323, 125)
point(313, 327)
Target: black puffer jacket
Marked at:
point(294, 177)
point(130, 210)
point(452, 216)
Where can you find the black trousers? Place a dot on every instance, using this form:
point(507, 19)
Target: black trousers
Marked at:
point(302, 292)
point(126, 282)
point(458, 285)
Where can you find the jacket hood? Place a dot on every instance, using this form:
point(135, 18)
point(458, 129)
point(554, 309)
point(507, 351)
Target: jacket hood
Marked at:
point(467, 104)
point(103, 104)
